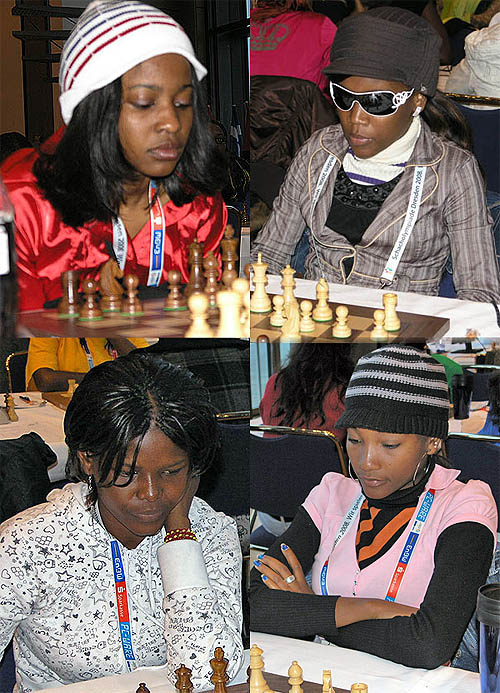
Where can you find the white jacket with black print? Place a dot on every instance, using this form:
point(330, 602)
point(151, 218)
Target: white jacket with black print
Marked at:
point(58, 600)
point(452, 220)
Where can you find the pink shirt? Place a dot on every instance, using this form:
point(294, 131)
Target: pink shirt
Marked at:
point(293, 44)
point(328, 503)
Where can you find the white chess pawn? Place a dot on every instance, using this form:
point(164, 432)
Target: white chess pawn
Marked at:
point(229, 303)
point(295, 677)
point(341, 329)
point(322, 312)
point(260, 301)
point(198, 306)
point(378, 334)
point(306, 321)
point(277, 318)
point(392, 323)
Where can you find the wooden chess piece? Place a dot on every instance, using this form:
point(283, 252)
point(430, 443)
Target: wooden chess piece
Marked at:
point(229, 303)
point(341, 329)
point(277, 318)
point(392, 323)
point(219, 666)
point(327, 681)
point(359, 688)
point(260, 301)
point(306, 321)
point(71, 386)
point(262, 339)
point(378, 334)
point(10, 409)
point(198, 305)
point(142, 688)
point(229, 246)
point(111, 289)
point(183, 682)
point(175, 299)
point(257, 681)
point(242, 287)
point(90, 311)
point(322, 312)
point(290, 332)
point(69, 305)
point(295, 677)
point(288, 286)
point(211, 271)
point(196, 282)
point(131, 306)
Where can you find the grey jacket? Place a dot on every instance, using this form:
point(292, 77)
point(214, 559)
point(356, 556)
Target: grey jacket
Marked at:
point(452, 220)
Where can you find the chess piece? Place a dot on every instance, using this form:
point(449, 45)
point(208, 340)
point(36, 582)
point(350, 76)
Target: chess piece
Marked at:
point(131, 306)
point(71, 386)
point(198, 305)
point(327, 681)
point(260, 301)
point(262, 339)
point(295, 677)
point(111, 289)
point(277, 318)
point(211, 271)
point(229, 254)
point(183, 682)
point(290, 332)
point(359, 688)
point(341, 329)
point(306, 321)
point(90, 311)
point(288, 286)
point(378, 334)
point(219, 666)
point(322, 311)
point(242, 288)
point(10, 409)
point(142, 688)
point(229, 303)
point(175, 300)
point(392, 323)
point(69, 305)
point(257, 681)
point(196, 282)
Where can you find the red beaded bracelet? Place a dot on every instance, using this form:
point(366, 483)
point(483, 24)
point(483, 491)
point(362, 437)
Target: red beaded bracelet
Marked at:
point(181, 533)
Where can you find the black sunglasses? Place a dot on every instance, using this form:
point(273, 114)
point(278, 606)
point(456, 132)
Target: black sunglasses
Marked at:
point(376, 103)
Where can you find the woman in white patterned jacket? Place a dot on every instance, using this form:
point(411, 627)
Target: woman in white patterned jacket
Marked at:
point(393, 192)
point(128, 568)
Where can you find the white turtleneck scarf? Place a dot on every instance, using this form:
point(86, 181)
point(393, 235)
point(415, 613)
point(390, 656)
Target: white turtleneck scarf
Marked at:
point(385, 165)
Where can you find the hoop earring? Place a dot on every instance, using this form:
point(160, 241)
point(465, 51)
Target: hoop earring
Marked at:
point(418, 465)
point(354, 478)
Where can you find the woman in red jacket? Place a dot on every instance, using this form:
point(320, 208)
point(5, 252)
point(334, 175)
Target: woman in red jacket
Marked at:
point(135, 174)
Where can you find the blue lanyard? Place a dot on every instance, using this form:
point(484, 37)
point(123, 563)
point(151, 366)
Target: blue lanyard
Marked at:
point(86, 349)
point(122, 604)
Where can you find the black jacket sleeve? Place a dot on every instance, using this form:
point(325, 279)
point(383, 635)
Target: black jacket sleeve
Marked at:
point(427, 639)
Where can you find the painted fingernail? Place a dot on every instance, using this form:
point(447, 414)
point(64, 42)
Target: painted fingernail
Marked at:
point(261, 556)
point(284, 547)
point(257, 563)
point(264, 577)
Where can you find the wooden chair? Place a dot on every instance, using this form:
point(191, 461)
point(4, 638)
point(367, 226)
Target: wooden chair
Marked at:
point(285, 467)
point(15, 365)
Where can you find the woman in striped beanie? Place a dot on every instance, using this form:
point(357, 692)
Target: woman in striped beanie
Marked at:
point(135, 175)
point(394, 549)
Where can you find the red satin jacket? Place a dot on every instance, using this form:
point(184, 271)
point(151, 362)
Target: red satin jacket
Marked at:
point(46, 247)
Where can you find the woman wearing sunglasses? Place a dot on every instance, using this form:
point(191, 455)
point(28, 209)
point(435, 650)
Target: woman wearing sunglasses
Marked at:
point(393, 191)
point(395, 549)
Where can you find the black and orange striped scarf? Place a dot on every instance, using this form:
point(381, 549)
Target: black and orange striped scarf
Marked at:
point(383, 521)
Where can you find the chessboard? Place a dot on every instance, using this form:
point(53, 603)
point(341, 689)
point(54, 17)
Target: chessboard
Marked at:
point(280, 684)
point(414, 327)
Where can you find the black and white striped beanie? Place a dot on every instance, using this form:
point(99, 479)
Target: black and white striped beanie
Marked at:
point(398, 389)
point(110, 38)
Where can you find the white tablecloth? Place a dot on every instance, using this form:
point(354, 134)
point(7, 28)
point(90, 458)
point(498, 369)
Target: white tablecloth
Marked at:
point(154, 678)
point(463, 315)
point(47, 421)
point(351, 666)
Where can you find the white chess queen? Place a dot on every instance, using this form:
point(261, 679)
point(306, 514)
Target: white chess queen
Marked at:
point(128, 567)
point(397, 552)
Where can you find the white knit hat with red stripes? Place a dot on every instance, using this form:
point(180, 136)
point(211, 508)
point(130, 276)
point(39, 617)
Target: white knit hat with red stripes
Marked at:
point(110, 38)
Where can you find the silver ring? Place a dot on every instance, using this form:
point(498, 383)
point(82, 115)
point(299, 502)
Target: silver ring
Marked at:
point(290, 579)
